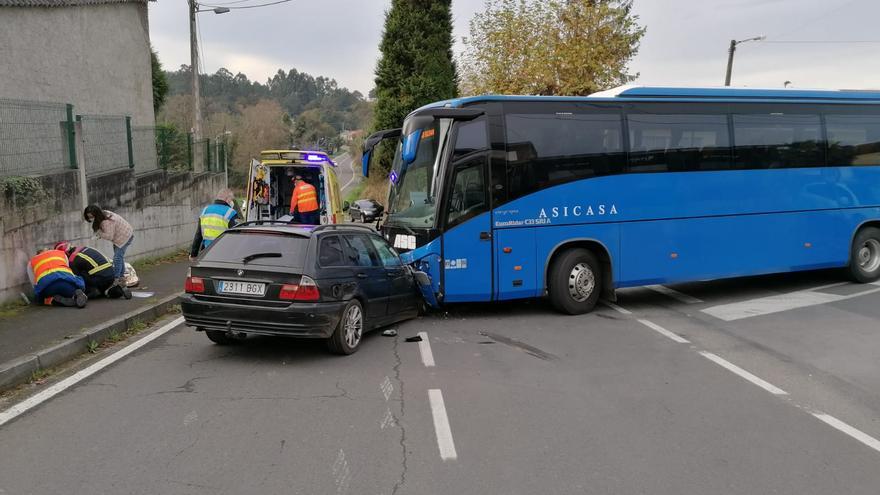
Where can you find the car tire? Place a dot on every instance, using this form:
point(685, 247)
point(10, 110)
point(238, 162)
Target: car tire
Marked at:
point(575, 281)
point(220, 338)
point(349, 331)
point(864, 258)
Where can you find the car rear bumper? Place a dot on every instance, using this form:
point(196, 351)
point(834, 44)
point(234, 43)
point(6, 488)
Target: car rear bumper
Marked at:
point(309, 320)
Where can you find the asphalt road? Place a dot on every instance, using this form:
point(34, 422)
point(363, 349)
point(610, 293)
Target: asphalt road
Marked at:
point(761, 385)
point(346, 173)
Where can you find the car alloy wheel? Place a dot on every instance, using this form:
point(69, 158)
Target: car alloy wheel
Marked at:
point(353, 326)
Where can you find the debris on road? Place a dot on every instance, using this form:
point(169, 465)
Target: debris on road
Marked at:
point(417, 338)
point(391, 332)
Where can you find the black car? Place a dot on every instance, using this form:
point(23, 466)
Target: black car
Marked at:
point(331, 282)
point(365, 210)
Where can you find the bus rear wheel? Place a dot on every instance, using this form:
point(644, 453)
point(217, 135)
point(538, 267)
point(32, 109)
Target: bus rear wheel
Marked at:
point(864, 260)
point(575, 281)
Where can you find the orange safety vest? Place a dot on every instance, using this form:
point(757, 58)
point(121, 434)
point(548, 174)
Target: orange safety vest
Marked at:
point(304, 198)
point(48, 262)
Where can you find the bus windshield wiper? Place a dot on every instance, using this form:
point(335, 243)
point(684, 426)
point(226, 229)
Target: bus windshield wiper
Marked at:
point(254, 256)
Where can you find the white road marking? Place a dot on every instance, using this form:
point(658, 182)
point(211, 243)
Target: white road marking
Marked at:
point(441, 425)
point(664, 332)
point(849, 430)
point(386, 388)
point(666, 291)
point(781, 302)
point(616, 308)
point(743, 373)
point(353, 172)
point(425, 350)
point(37, 399)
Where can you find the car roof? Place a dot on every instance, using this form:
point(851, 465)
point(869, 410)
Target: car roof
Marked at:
point(301, 230)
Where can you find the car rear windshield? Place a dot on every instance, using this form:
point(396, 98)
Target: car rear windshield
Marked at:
point(259, 248)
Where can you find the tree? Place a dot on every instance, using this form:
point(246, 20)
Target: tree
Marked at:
point(160, 82)
point(416, 65)
point(555, 47)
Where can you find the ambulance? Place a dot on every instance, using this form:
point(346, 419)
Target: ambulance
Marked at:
point(271, 184)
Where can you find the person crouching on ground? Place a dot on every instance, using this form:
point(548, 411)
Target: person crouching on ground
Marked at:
point(112, 227)
point(95, 269)
point(53, 280)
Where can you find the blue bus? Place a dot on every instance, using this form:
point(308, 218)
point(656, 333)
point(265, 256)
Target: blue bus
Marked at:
point(505, 197)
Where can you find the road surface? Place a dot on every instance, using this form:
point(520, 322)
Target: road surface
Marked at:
point(750, 386)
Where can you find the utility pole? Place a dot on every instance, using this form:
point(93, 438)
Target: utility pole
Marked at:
point(194, 67)
point(730, 52)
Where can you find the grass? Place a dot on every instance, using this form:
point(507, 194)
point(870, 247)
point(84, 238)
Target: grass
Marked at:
point(11, 309)
point(355, 193)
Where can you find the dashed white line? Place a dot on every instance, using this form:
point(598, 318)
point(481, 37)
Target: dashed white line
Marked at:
point(425, 350)
point(37, 399)
point(773, 389)
point(617, 308)
point(849, 430)
point(353, 172)
point(782, 302)
point(441, 425)
point(664, 332)
point(666, 291)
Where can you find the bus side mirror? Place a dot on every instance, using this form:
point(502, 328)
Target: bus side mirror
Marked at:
point(365, 162)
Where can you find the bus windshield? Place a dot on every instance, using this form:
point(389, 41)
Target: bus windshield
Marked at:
point(412, 199)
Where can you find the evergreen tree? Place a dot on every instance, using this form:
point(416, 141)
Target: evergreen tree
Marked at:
point(160, 82)
point(416, 65)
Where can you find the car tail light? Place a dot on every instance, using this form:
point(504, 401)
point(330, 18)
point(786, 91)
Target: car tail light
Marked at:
point(306, 290)
point(195, 285)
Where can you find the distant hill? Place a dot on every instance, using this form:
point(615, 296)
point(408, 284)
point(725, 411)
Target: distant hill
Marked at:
point(295, 91)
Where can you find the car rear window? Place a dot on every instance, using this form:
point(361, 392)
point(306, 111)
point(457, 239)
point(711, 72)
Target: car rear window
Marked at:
point(277, 249)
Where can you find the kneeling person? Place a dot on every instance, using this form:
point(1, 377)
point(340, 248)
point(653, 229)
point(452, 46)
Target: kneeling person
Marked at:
point(95, 269)
point(53, 280)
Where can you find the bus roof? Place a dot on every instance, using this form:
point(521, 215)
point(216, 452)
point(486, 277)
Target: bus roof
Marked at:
point(655, 93)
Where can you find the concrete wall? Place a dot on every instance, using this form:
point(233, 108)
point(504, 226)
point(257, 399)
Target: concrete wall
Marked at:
point(162, 208)
point(96, 57)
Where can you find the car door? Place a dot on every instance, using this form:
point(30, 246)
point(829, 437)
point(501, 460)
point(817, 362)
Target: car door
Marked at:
point(373, 284)
point(402, 298)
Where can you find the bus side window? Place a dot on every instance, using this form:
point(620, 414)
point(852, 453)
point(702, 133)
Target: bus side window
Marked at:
point(853, 140)
point(468, 198)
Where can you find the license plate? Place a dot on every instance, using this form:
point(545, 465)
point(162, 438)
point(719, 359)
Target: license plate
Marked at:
point(243, 288)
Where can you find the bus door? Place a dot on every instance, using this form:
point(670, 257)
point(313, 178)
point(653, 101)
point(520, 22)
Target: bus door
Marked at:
point(467, 239)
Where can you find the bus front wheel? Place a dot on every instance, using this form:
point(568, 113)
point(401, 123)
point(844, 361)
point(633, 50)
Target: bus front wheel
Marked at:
point(864, 264)
point(575, 281)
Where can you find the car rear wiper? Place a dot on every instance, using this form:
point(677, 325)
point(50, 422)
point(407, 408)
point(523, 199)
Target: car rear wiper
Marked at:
point(254, 256)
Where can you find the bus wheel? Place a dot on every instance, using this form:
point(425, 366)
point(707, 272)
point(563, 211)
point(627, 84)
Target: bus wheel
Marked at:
point(864, 265)
point(575, 282)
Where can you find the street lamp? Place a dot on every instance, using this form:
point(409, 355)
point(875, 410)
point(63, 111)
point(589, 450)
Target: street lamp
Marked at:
point(731, 50)
point(194, 63)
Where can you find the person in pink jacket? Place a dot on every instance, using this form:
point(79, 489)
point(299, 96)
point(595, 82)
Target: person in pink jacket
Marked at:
point(112, 227)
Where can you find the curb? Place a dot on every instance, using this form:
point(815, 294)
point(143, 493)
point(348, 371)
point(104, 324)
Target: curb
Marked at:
point(20, 370)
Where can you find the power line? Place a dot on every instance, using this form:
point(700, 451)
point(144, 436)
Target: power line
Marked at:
point(821, 41)
point(250, 6)
point(229, 3)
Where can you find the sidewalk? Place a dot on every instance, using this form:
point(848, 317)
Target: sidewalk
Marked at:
point(32, 330)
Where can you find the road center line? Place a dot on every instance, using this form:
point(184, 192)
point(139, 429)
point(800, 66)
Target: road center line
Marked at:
point(37, 399)
point(681, 297)
point(743, 373)
point(617, 308)
point(425, 350)
point(664, 332)
point(353, 172)
point(849, 430)
point(441, 425)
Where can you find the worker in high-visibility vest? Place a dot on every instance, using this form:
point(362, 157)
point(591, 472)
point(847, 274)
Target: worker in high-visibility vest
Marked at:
point(214, 220)
point(304, 201)
point(53, 280)
point(95, 270)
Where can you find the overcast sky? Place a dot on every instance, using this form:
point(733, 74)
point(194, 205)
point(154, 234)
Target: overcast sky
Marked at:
point(686, 42)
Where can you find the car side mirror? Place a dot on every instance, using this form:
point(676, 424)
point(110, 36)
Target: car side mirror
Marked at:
point(346, 205)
